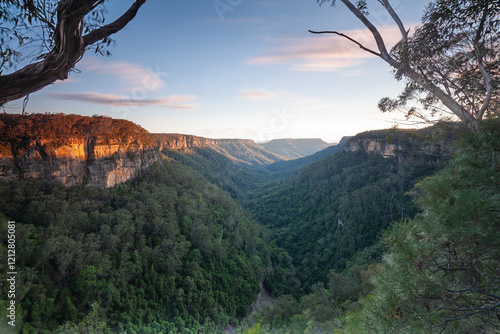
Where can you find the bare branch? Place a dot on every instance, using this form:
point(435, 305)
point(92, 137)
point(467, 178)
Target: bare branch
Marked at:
point(117, 25)
point(384, 54)
point(349, 38)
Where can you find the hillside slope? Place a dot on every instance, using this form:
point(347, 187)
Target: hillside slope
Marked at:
point(295, 148)
point(238, 150)
point(289, 167)
point(335, 208)
point(165, 252)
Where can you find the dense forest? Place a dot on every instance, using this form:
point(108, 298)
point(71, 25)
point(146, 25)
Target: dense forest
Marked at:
point(438, 272)
point(342, 241)
point(166, 252)
point(336, 208)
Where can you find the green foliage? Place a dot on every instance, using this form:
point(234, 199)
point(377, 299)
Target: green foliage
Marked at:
point(455, 48)
point(237, 179)
point(166, 252)
point(337, 207)
point(441, 271)
point(317, 312)
point(24, 21)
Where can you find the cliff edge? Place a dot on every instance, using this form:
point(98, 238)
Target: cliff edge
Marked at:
point(71, 149)
point(432, 144)
point(244, 151)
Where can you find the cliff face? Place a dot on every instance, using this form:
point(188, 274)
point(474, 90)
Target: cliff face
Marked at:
point(432, 145)
point(238, 150)
point(65, 150)
point(178, 142)
point(77, 160)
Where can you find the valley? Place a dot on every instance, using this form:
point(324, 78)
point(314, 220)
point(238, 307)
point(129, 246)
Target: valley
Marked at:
point(196, 229)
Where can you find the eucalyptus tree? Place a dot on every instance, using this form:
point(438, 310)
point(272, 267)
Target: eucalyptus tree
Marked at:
point(54, 36)
point(451, 63)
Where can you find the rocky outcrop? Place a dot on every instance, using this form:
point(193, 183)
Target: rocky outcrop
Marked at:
point(263, 299)
point(178, 142)
point(432, 145)
point(238, 150)
point(76, 160)
point(72, 149)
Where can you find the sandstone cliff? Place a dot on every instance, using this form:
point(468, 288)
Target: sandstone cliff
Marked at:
point(238, 150)
point(72, 149)
point(432, 145)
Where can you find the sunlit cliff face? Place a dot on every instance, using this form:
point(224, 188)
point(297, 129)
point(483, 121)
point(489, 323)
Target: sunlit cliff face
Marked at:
point(75, 160)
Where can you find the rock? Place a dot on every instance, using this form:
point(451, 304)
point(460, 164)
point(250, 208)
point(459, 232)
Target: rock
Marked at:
point(74, 154)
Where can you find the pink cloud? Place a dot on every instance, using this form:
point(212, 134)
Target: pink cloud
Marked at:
point(131, 75)
point(326, 52)
point(172, 101)
point(258, 95)
point(287, 98)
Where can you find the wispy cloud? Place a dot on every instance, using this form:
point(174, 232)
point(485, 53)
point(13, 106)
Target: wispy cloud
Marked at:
point(258, 95)
point(324, 53)
point(281, 96)
point(131, 75)
point(185, 102)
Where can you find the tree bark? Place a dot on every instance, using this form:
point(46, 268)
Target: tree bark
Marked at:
point(69, 47)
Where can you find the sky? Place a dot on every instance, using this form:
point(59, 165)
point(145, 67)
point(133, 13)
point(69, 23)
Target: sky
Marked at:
point(236, 69)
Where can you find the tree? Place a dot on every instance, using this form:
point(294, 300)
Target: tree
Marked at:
point(67, 29)
point(442, 268)
point(451, 60)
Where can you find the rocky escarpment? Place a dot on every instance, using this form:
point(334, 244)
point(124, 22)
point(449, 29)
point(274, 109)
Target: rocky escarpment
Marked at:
point(238, 150)
point(175, 141)
point(72, 149)
point(432, 145)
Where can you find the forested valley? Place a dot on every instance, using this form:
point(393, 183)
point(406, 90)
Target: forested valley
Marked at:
point(341, 241)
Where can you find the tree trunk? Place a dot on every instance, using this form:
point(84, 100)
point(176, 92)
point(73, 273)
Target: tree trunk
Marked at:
point(69, 48)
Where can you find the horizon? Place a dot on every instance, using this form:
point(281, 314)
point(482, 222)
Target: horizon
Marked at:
point(251, 71)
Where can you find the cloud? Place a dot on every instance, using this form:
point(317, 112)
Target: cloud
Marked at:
point(258, 95)
point(278, 96)
point(184, 102)
point(131, 75)
point(325, 52)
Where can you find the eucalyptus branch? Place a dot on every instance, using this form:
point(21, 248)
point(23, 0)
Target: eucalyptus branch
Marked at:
point(349, 38)
point(395, 17)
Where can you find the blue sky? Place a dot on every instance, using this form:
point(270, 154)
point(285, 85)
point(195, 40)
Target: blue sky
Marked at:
point(236, 69)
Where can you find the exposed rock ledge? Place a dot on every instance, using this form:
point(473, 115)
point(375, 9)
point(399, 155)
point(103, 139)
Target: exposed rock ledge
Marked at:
point(432, 144)
point(71, 149)
point(75, 160)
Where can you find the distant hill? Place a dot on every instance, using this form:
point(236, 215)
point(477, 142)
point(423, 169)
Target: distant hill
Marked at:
point(295, 148)
point(238, 150)
point(290, 167)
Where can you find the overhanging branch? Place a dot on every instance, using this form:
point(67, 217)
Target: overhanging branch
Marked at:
point(69, 46)
point(349, 38)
